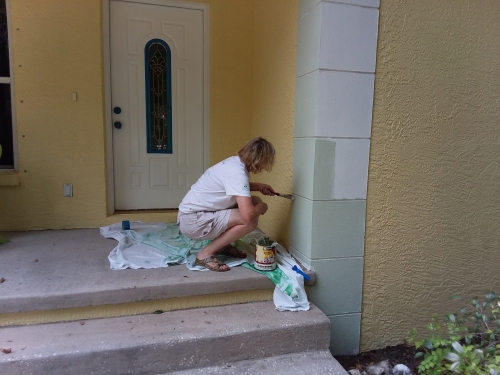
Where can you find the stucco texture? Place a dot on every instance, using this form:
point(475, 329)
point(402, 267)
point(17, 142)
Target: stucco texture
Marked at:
point(230, 76)
point(57, 50)
point(273, 99)
point(434, 177)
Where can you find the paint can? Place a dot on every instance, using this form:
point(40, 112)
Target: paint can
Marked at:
point(265, 254)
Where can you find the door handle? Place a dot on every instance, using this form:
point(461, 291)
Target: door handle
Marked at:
point(117, 110)
point(117, 125)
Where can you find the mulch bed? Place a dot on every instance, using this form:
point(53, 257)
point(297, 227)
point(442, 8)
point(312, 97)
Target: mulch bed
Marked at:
point(398, 354)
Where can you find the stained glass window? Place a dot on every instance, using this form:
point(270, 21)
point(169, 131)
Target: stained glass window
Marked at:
point(158, 96)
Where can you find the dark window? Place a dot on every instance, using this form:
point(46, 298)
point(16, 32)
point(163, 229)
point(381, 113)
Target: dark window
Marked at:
point(158, 65)
point(6, 142)
point(7, 156)
point(4, 41)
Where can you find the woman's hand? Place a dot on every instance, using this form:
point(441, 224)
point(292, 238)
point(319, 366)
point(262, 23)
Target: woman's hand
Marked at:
point(263, 188)
point(266, 189)
point(262, 208)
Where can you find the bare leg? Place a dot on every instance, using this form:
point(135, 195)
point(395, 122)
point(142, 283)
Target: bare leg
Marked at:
point(236, 228)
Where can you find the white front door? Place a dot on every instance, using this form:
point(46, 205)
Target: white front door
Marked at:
point(157, 96)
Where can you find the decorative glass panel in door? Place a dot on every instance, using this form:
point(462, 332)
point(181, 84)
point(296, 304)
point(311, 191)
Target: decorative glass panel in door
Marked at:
point(158, 68)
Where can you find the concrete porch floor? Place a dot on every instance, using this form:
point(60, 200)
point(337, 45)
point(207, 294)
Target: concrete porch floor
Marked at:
point(64, 269)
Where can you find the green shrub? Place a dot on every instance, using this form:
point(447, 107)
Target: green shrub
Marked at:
point(464, 343)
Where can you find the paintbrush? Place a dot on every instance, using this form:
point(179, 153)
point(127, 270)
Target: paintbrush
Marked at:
point(287, 196)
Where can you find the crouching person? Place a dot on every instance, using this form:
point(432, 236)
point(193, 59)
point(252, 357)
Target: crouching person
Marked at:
point(219, 206)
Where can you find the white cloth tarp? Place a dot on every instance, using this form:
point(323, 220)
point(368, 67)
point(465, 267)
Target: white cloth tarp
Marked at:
point(154, 245)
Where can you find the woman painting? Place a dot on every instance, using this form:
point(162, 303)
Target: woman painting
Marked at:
point(219, 206)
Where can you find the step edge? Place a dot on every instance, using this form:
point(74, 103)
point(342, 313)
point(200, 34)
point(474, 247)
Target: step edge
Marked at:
point(102, 358)
point(147, 293)
point(324, 355)
point(34, 317)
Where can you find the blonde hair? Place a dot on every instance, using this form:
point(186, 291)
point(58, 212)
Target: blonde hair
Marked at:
point(257, 155)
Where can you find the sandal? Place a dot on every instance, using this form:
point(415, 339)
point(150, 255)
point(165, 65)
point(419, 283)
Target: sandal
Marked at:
point(232, 252)
point(211, 259)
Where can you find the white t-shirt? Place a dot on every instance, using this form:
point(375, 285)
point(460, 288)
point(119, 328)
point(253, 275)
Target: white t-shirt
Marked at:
point(218, 187)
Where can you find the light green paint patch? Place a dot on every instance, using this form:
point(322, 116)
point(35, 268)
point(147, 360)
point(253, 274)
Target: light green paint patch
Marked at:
point(306, 5)
point(303, 167)
point(324, 169)
point(308, 42)
point(339, 284)
point(306, 105)
point(338, 229)
point(313, 168)
point(328, 229)
point(345, 333)
point(301, 225)
point(3, 240)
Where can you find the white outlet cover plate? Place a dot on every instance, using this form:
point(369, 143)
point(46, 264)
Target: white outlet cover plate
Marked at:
point(68, 190)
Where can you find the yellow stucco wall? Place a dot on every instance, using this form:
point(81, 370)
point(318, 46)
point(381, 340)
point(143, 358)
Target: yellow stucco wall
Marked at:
point(273, 99)
point(433, 192)
point(57, 50)
point(230, 75)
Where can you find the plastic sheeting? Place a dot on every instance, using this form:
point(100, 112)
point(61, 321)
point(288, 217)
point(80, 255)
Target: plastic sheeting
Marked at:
point(154, 245)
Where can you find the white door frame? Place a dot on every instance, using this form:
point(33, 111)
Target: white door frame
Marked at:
point(107, 87)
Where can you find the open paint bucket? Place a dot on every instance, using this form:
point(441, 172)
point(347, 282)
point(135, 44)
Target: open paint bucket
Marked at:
point(265, 254)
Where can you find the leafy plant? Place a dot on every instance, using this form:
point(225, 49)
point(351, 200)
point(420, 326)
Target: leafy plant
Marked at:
point(464, 343)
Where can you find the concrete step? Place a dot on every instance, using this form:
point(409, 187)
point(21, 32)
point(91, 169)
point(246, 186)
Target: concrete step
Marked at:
point(45, 270)
point(305, 363)
point(163, 343)
point(69, 269)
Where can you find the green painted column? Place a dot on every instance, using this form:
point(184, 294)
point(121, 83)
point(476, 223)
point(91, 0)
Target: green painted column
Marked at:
point(336, 55)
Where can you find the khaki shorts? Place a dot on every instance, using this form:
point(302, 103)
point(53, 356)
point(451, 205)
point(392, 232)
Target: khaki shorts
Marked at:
point(203, 225)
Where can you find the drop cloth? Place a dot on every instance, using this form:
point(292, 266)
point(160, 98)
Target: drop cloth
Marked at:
point(154, 245)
